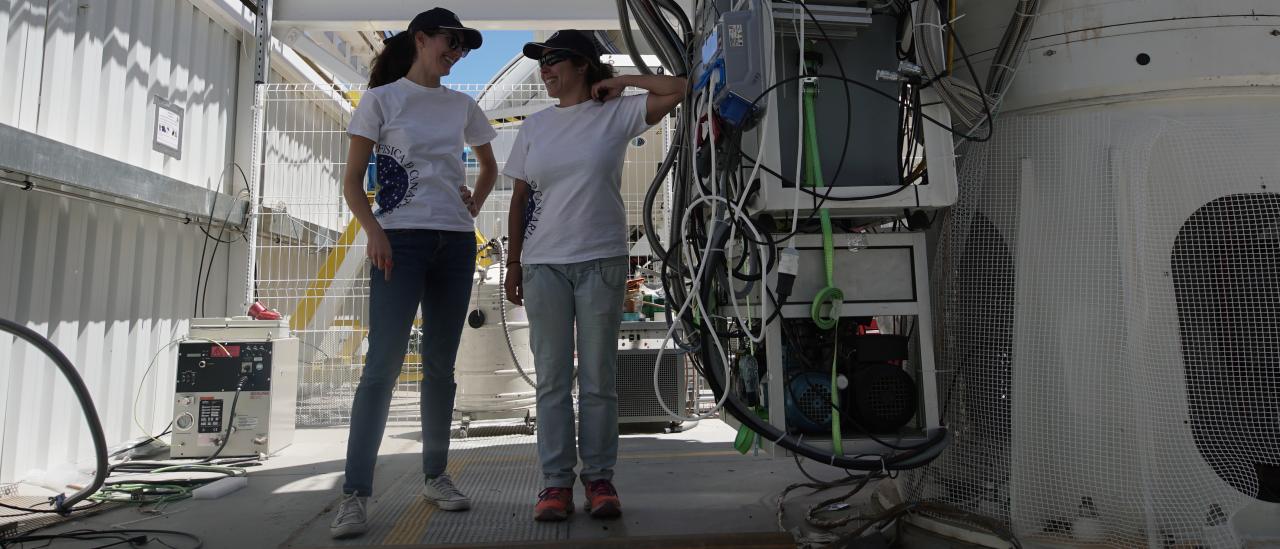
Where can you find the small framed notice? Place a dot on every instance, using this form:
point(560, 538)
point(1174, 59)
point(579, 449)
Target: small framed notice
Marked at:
point(168, 129)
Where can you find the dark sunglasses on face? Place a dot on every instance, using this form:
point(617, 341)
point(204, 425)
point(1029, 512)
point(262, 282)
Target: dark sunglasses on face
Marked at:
point(455, 43)
point(552, 58)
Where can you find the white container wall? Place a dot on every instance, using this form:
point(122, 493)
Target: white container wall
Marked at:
point(89, 74)
point(110, 287)
point(113, 285)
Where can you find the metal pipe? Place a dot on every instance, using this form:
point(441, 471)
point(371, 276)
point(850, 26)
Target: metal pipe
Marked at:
point(625, 20)
point(185, 217)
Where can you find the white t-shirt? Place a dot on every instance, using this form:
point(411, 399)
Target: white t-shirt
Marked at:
point(572, 159)
point(420, 132)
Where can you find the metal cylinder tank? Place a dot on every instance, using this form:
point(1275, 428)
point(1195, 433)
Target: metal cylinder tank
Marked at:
point(1110, 278)
point(488, 380)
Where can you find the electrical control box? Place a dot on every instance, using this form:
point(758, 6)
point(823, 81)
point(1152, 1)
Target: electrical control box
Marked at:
point(236, 388)
point(733, 62)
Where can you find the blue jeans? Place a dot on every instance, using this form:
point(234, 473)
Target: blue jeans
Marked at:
point(432, 269)
point(591, 293)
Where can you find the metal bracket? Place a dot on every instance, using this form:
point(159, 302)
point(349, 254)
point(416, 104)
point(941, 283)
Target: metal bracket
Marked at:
point(262, 36)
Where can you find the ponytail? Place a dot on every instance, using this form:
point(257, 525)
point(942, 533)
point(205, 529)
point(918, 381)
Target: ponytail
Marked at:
point(597, 70)
point(394, 61)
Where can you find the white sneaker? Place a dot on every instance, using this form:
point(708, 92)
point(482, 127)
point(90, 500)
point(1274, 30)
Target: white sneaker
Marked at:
point(445, 495)
point(351, 518)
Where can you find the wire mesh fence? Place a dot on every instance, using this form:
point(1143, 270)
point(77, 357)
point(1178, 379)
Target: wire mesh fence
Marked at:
point(311, 262)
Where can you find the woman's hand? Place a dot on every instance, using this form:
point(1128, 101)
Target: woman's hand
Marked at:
point(609, 88)
point(379, 252)
point(469, 201)
point(514, 284)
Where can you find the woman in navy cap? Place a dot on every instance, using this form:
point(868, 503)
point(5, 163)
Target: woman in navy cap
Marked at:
point(421, 243)
point(568, 260)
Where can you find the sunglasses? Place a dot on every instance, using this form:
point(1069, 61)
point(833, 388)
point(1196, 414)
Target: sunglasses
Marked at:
point(553, 57)
point(456, 42)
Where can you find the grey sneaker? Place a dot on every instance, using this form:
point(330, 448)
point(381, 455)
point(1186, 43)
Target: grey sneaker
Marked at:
point(445, 495)
point(351, 518)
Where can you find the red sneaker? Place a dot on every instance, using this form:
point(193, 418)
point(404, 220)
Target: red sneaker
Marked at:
point(554, 504)
point(602, 499)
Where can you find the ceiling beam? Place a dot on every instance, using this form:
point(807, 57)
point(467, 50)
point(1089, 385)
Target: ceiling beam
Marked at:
point(378, 15)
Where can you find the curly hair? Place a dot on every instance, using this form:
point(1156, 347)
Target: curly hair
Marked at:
point(597, 70)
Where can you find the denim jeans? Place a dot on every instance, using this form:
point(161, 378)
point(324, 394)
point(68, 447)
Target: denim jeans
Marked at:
point(432, 270)
point(591, 293)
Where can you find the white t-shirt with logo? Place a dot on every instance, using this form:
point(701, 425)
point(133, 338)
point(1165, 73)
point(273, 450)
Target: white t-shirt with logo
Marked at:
point(572, 159)
point(419, 134)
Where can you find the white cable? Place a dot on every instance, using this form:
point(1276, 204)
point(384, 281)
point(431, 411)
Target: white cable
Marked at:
point(696, 299)
point(141, 382)
point(795, 206)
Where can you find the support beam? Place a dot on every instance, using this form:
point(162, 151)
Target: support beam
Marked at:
point(380, 15)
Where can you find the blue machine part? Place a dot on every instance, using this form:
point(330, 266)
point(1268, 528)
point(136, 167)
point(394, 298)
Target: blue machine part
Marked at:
point(808, 400)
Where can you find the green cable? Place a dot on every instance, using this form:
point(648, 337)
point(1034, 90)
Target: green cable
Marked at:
point(830, 295)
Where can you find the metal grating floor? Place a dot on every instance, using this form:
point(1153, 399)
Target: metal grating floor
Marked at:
point(687, 489)
point(499, 473)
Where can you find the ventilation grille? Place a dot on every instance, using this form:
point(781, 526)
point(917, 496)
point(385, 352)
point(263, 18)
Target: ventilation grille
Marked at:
point(636, 399)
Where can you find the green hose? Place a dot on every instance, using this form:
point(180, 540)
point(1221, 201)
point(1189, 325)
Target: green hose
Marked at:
point(830, 296)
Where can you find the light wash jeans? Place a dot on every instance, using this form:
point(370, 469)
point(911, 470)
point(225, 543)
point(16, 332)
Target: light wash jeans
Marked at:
point(432, 269)
point(591, 293)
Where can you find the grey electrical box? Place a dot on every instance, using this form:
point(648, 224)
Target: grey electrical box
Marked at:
point(211, 364)
point(733, 62)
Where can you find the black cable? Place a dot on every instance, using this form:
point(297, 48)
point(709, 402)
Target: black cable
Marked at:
point(33, 511)
point(879, 93)
point(826, 196)
point(85, 535)
point(64, 505)
point(848, 96)
point(231, 420)
point(204, 293)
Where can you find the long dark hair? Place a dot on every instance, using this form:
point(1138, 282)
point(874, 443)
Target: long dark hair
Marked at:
point(398, 53)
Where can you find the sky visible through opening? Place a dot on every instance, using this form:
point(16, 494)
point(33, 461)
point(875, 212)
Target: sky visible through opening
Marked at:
point(481, 65)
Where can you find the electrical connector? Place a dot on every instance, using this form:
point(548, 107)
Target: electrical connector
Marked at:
point(788, 268)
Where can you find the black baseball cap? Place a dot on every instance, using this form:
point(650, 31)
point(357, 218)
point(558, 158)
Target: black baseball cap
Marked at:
point(572, 40)
point(440, 18)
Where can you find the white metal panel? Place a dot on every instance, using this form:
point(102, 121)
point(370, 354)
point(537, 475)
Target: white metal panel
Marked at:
point(23, 22)
point(110, 287)
point(88, 74)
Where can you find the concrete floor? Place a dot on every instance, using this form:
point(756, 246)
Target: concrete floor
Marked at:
point(690, 483)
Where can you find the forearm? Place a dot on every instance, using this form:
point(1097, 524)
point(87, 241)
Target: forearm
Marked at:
point(484, 183)
point(515, 225)
point(358, 202)
point(353, 183)
point(656, 84)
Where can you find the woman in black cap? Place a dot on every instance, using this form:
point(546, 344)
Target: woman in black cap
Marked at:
point(568, 261)
point(421, 243)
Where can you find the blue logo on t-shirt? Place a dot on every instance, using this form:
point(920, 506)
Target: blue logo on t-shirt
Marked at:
point(532, 210)
point(396, 180)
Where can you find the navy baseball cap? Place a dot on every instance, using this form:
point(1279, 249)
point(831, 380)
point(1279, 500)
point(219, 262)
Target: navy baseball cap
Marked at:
point(440, 18)
point(572, 40)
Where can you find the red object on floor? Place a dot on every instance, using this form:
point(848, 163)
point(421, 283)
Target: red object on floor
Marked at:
point(260, 312)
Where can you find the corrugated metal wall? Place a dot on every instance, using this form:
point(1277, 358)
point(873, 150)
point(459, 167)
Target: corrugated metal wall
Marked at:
point(87, 73)
point(109, 287)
